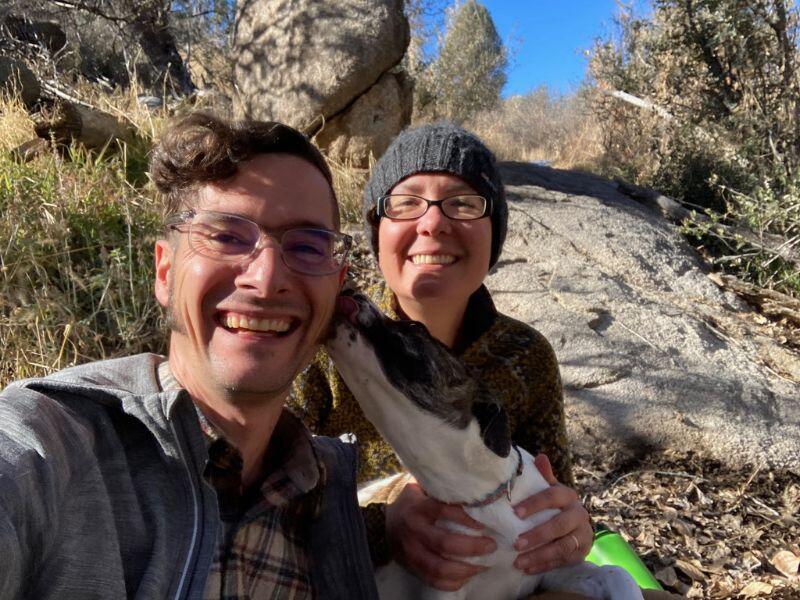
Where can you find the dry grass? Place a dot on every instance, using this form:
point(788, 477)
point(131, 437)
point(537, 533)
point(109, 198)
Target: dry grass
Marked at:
point(16, 126)
point(349, 182)
point(540, 127)
point(76, 238)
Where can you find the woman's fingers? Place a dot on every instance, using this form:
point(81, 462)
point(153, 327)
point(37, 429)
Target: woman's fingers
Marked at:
point(563, 540)
point(421, 543)
point(557, 496)
point(542, 463)
point(566, 550)
point(438, 571)
point(454, 513)
point(425, 526)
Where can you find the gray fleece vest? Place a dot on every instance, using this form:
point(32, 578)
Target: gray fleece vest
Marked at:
point(102, 495)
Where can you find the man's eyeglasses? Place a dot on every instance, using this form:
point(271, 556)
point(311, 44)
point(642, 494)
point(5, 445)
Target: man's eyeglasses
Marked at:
point(228, 237)
point(465, 207)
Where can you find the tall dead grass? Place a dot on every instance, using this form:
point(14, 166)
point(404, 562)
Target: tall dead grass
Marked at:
point(349, 182)
point(76, 239)
point(15, 126)
point(541, 127)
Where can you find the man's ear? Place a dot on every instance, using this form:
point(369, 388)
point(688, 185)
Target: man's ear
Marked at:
point(163, 255)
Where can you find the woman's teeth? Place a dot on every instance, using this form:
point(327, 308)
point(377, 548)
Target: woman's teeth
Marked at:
point(242, 322)
point(433, 259)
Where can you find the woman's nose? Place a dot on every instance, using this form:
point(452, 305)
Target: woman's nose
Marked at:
point(433, 222)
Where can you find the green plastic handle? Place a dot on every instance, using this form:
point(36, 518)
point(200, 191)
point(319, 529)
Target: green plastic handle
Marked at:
point(610, 548)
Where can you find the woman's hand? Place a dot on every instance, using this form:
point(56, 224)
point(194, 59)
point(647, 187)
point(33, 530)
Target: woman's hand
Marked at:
point(426, 548)
point(563, 540)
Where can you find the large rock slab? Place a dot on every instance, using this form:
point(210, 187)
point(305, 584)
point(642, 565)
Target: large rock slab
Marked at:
point(301, 61)
point(17, 78)
point(652, 352)
point(367, 127)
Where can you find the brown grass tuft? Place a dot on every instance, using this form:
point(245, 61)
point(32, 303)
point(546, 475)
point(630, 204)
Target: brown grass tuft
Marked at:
point(16, 127)
point(541, 127)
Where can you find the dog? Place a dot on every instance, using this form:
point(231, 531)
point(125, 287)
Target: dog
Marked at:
point(423, 401)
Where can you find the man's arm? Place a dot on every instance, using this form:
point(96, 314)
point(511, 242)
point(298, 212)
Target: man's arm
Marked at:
point(34, 456)
point(11, 574)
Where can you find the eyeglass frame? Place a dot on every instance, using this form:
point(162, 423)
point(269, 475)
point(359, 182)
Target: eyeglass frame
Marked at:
point(380, 210)
point(173, 221)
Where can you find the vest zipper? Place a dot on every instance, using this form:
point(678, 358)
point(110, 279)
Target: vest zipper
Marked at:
point(195, 511)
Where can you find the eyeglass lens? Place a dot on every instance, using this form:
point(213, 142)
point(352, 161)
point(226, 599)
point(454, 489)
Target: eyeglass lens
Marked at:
point(228, 237)
point(456, 207)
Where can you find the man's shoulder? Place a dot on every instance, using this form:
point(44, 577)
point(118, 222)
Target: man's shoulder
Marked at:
point(340, 457)
point(71, 403)
point(130, 375)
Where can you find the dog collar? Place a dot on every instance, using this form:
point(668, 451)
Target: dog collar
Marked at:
point(504, 489)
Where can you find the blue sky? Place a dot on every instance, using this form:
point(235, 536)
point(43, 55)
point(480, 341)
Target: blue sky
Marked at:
point(549, 37)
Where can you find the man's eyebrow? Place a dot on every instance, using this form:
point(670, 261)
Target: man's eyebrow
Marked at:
point(304, 223)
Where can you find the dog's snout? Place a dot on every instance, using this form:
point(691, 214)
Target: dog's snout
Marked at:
point(347, 307)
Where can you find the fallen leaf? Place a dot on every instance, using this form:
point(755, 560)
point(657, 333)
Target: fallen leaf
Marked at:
point(690, 570)
point(756, 588)
point(682, 527)
point(787, 563)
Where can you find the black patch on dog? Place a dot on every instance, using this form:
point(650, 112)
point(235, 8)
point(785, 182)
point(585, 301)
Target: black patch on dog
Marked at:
point(493, 421)
point(418, 365)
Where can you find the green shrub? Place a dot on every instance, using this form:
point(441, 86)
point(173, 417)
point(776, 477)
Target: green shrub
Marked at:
point(718, 126)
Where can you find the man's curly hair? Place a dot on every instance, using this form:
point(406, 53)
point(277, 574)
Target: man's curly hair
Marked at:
point(202, 148)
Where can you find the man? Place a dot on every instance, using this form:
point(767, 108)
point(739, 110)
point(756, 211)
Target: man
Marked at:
point(186, 477)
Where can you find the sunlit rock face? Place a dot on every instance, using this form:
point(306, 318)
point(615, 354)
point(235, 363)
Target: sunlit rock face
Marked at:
point(307, 62)
point(652, 352)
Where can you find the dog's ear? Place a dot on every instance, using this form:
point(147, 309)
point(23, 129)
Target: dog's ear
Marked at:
point(493, 421)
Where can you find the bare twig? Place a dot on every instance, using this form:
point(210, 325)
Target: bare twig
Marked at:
point(638, 335)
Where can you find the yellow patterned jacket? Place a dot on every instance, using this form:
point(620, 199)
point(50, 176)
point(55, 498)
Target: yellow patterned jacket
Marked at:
point(513, 362)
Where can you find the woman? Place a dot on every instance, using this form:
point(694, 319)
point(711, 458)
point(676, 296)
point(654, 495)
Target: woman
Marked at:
point(436, 217)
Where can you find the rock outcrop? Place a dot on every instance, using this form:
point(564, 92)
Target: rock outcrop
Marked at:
point(370, 124)
point(311, 62)
point(16, 77)
point(652, 352)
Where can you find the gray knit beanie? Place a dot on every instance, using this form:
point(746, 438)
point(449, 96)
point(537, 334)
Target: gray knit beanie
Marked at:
point(438, 148)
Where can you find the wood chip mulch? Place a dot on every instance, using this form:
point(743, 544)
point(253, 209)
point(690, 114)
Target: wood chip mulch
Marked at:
point(704, 529)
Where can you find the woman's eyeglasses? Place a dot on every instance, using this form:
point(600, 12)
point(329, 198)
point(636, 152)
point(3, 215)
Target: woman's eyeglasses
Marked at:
point(465, 207)
point(229, 237)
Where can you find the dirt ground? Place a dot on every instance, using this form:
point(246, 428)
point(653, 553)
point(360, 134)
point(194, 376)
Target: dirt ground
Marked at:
point(705, 530)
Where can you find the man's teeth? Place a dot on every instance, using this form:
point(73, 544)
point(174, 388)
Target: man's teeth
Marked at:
point(433, 259)
point(242, 322)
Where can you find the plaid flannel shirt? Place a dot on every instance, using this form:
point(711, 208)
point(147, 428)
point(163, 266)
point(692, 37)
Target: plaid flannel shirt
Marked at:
point(263, 551)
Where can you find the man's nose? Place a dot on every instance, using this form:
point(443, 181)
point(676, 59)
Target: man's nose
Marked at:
point(433, 222)
point(265, 272)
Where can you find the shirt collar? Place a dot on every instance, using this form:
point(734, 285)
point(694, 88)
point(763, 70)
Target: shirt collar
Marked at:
point(291, 448)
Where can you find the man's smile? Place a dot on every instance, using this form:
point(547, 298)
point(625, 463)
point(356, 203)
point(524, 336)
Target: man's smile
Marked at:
point(238, 322)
